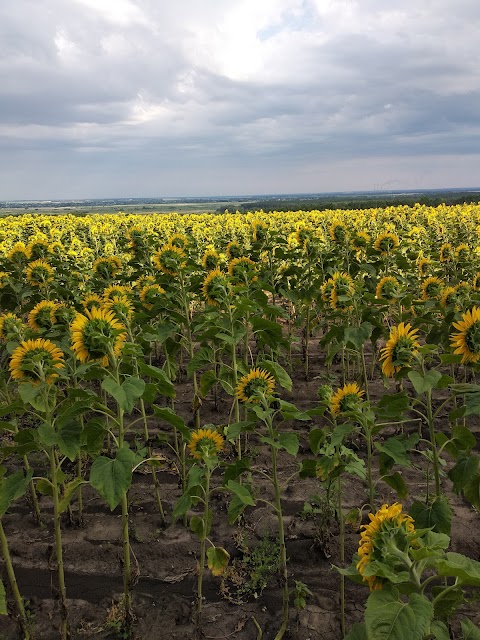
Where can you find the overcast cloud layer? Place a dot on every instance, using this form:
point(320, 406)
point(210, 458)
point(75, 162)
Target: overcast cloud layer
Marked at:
point(134, 98)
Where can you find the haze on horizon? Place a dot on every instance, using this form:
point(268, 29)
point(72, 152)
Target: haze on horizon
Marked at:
point(204, 97)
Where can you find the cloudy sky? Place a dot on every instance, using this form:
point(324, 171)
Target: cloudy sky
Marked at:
point(116, 98)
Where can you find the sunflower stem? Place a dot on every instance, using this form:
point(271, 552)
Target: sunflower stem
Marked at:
point(13, 584)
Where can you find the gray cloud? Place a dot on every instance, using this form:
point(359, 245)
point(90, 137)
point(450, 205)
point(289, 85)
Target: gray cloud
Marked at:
point(136, 97)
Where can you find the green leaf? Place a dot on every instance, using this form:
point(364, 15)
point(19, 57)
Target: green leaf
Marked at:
point(30, 394)
point(69, 438)
point(466, 570)
point(182, 506)
point(397, 483)
point(69, 491)
point(235, 470)
point(133, 388)
point(289, 442)
point(112, 477)
point(472, 404)
point(13, 487)
point(236, 428)
point(437, 515)
point(423, 383)
point(357, 632)
point(392, 406)
point(471, 492)
point(463, 472)
point(235, 509)
point(163, 383)
point(204, 357)
point(165, 413)
point(470, 630)
point(448, 603)
point(439, 630)
point(290, 412)
point(207, 380)
point(395, 449)
point(278, 372)
point(241, 492)
point(116, 391)
point(358, 335)
point(217, 560)
point(316, 438)
point(389, 618)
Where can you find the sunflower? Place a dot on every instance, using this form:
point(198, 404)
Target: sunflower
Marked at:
point(36, 361)
point(342, 286)
point(91, 301)
point(150, 293)
point(11, 326)
point(121, 307)
point(388, 528)
point(326, 290)
point(242, 270)
point(423, 265)
point(39, 273)
point(462, 252)
point(476, 281)
point(431, 288)
point(463, 288)
point(38, 249)
point(136, 238)
point(259, 230)
point(205, 443)
point(449, 297)
point(254, 385)
point(19, 253)
point(107, 267)
point(401, 347)
point(215, 287)
point(210, 260)
point(386, 243)
point(42, 316)
point(467, 341)
point(338, 232)
point(64, 314)
point(233, 250)
point(178, 240)
point(360, 241)
point(116, 290)
point(56, 248)
point(170, 259)
point(303, 236)
point(446, 252)
point(346, 399)
point(96, 335)
point(388, 288)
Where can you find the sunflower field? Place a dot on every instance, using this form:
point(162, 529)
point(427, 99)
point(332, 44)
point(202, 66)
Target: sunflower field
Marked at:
point(241, 425)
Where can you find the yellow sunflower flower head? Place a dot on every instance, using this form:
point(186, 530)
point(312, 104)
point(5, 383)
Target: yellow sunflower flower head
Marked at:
point(38, 248)
point(170, 260)
point(259, 231)
point(388, 288)
point(446, 252)
point(121, 307)
point(107, 267)
point(97, 336)
point(346, 399)
point(386, 243)
point(205, 443)
point(360, 241)
point(36, 361)
point(254, 386)
point(216, 287)
point(462, 253)
point(210, 260)
point(42, 316)
point(234, 250)
point(150, 294)
point(39, 273)
point(116, 290)
point(466, 342)
point(401, 348)
point(178, 240)
point(19, 254)
point(431, 288)
point(338, 232)
point(242, 270)
point(11, 327)
point(387, 537)
point(91, 301)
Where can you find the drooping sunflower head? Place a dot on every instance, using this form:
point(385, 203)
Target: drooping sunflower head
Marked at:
point(107, 267)
point(11, 327)
point(19, 254)
point(255, 386)
point(42, 316)
point(92, 301)
point(326, 290)
point(449, 297)
point(431, 288)
point(476, 281)
point(304, 235)
point(36, 361)
point(178, 240)
point(424, 265)
point(216, 287)
point(39, 273)
point(210, 260)
point(401, 348)
point(97, 335)
point(242, 270)
point(360, 241)
point(348, 398)
point(466, 341)
point(64, 314)
point(169, 259)
point(463, 288)
point(4, 279)
point(386, 243)
point(205, 443)
point(56, 248)
point(342, 291)
point(121, 306)
point(150, 294)
point(338, 232)
point(115, 290)
point(446, 252)
point(462, 253)
point(259, 231)
point(38, 249)
point(388, 288)
point(136, 237)
point(387, 536)
point(234, 250)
